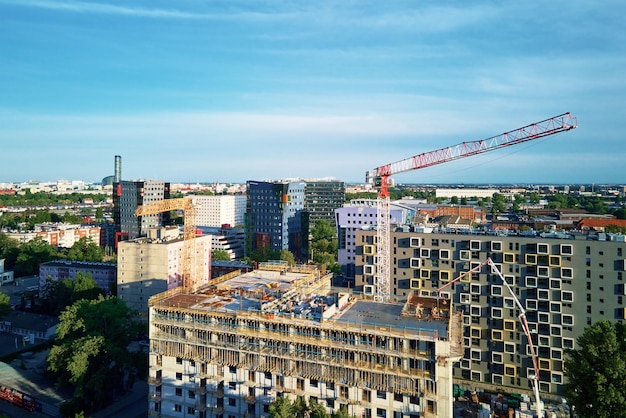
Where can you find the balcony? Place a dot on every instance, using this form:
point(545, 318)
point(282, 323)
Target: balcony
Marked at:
point(154, 414)
point(250, 399)
point(217, 393)
point(200, 389)
point(155, 397)
point(217, 409)
point(154, 381)
point(266, 399)
point(201, 405)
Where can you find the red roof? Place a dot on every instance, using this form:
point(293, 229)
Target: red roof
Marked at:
point(599, 223)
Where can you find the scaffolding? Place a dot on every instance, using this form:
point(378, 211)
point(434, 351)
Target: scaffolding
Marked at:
point(401, 357)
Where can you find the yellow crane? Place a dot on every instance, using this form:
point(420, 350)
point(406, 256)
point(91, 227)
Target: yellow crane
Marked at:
point(188, 206)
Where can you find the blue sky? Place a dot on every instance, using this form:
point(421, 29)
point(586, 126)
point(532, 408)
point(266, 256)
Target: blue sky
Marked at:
point(228, 91)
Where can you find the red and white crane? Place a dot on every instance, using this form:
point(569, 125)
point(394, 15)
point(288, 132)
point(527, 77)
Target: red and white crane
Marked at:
point(522, 319)
point(380, 177)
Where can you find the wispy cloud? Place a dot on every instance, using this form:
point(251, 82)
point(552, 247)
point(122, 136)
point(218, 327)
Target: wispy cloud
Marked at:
point(156, 13)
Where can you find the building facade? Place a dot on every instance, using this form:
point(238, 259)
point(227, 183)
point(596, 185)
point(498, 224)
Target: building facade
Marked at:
point(127, 197)
point(104, 274)
point(355, 216)
point(280, 331)
point(6, 277)
point(564, 285)
point(59, 234)
point(322, 197)
point(216, 211)
point(276, 219)
point(230, 240)
point(151, 265)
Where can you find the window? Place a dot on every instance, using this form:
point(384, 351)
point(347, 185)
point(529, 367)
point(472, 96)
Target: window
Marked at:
point(232, 385)
point(232, 402)
point(178, 408)
point(179, 376)
point(179, 360)
point(567, 320)
point(179, 392)
point(381, 394)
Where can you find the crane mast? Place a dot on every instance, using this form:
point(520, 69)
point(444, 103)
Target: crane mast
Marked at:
point(523, 322)
point(380, 177)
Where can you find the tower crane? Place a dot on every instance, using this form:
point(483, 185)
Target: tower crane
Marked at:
point(380, 177)
point(522, 319)
point(189, 207)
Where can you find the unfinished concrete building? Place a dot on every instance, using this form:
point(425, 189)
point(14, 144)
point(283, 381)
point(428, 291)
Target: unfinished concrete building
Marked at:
point(232, 349)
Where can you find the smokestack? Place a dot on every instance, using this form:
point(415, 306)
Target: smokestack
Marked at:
point(118, 169)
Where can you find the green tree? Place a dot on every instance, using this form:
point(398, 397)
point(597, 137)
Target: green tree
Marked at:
point(323, 230)
point(498, 202)
point(8, 251)
point(596, 371)
point(90, 352)
point(220, 255)
point(59, 294)
point(85, 250)
point(299, 408)
point(454, 200)
point(287, 256)
point(265, 253)
point(282, 408)
point(99, 214)
point(324, 243)
point(32, 254)
point(5, 305)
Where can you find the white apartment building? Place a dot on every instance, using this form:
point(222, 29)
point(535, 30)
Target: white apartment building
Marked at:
point(357, 215)
point(59, 234)
point(466, 193)
point(148, 266)
point(220, 210)
point(281, 331)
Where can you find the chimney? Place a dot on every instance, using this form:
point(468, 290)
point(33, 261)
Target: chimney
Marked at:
point(118, 169)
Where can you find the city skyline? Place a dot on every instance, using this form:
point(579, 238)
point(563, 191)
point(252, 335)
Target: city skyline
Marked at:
point(236, 91)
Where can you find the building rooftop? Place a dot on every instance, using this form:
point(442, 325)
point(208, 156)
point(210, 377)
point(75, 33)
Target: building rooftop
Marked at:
point(80, 264)
point(300, 294)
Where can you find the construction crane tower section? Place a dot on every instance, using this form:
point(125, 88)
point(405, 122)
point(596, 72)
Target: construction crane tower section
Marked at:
point(188, 206)
point(380, 178)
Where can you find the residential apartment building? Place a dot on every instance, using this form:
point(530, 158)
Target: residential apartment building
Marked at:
point(6, 277)
point(564, 285)
point(231, 350)
point(322, 197)
point(104, 274)
point(151, 265)
point(216, 211)
point(59, 234)
point(230, 240)
point(276, 218)
point(127, 197)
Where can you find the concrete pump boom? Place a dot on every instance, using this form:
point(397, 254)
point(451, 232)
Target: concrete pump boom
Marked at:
point(522, 319)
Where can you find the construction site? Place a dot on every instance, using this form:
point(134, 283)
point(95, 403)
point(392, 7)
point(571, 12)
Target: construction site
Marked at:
point(233, 347)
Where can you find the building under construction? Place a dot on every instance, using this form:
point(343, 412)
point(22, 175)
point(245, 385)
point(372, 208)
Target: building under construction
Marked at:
point(232, 348)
